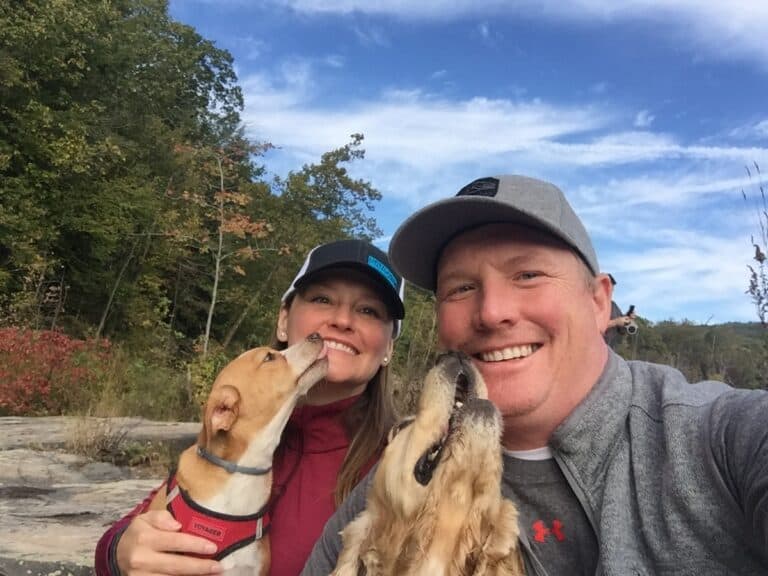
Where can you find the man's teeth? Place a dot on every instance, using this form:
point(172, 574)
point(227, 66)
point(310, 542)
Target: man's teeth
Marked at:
point(508, 353)
point(340, 346)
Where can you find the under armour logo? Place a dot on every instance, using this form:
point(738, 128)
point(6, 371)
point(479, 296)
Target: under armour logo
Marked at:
point(541, 531)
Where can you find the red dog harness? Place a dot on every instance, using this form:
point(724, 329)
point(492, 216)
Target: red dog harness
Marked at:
point(228, 532)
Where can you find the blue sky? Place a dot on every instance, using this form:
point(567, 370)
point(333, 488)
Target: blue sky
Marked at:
point(644, 112)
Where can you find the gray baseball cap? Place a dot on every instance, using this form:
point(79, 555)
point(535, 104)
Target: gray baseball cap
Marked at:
point(416, 245)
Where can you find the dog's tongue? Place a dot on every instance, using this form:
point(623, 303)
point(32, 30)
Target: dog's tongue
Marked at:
point(323, 352)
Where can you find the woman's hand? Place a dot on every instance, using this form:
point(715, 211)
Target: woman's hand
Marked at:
point(153, 545)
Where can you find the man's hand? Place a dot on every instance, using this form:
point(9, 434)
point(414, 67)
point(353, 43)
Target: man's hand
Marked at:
point(620, 321)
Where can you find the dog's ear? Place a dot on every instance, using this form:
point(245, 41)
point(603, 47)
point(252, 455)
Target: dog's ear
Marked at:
point(502, 544)
point(222, 408)
point(355, 538)
point(395, 430)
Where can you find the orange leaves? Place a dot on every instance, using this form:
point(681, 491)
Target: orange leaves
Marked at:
point(236, 198)
point(241, 226)
point(247, 253)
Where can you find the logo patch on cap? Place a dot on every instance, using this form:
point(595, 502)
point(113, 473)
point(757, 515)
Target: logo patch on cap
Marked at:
point(481, 187)
point(382, 269)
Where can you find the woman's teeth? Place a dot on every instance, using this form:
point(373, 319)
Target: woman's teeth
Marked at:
point(339, 346)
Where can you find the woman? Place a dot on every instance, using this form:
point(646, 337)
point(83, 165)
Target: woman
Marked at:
point(347, 292)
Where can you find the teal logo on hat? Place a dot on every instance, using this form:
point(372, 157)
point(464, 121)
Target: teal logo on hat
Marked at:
point(382, 269)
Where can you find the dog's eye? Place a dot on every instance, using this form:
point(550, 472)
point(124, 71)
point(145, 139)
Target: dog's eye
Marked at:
point(268, 357)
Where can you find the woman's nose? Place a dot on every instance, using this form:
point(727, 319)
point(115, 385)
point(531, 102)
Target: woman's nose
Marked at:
point(342, 317)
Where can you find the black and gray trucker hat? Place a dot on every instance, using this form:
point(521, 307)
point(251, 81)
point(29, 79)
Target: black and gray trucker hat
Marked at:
point(416, 245)
point(362, 256)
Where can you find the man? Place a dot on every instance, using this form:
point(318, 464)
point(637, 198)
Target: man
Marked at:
point(619, 323)
point(617, 467)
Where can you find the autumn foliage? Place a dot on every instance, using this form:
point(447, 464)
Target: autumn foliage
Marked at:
point(45, 372)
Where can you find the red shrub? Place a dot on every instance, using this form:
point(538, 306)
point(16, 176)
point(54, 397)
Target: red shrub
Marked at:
point(45, 371)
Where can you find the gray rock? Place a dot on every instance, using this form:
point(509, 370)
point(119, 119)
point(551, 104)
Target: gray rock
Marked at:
point(55, 505)
point(11, 567)
point(58, 431)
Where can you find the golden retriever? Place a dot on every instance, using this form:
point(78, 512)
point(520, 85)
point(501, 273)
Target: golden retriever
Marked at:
point(435, 505)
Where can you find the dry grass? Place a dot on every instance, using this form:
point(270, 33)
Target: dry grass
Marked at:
point(106, 440)
point(405, 394)
point(95, 437)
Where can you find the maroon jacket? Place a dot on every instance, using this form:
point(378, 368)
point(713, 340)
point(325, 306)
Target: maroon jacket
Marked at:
point(305, 468)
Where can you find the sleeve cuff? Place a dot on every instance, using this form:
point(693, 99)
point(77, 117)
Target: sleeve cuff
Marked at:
point(114, 570)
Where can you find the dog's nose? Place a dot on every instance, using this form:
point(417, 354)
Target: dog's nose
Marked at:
point(314, 337)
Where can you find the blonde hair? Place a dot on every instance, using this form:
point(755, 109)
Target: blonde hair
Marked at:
point(368, 421)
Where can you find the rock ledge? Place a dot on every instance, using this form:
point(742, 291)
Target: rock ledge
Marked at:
point(55, 505)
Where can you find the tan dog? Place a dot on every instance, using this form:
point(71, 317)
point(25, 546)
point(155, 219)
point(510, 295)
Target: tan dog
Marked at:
point(435, 506)
point(222, 486)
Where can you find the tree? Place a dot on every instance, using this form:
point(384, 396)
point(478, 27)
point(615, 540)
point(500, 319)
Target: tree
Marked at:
point(327, 194)
point(94, 96)
point(131, 204)
point(415, 350)
point(222, 227)
point(318, 203)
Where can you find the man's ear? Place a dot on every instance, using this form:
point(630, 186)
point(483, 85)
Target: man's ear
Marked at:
point(221, 409)
point(602, 294)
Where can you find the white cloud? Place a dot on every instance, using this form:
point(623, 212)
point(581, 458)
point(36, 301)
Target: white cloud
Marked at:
point(252, 48)
point(666, 196)
point(371, 36)
point(665, 212)
point(701, 272)
point(722, 29)
point(402, 8)
point(619, 148)
point(488, 34)
point(758, 130)
point(420, 131)
point(611, 199)
point(401, 125)
point(644, 119)
point(334, 61)
point(674, 242)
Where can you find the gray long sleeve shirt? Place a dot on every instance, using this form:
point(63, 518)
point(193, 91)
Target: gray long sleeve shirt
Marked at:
point(672, 476)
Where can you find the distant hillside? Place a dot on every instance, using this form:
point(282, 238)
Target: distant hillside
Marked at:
point(735, 352)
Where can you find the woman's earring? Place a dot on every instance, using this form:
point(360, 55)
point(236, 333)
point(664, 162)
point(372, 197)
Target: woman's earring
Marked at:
point(385, 361)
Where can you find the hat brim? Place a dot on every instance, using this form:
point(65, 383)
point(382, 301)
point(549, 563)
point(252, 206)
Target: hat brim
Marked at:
point(416, 246)
point(393, 303)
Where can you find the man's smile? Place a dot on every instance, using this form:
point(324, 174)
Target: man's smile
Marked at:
point(510, 353)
